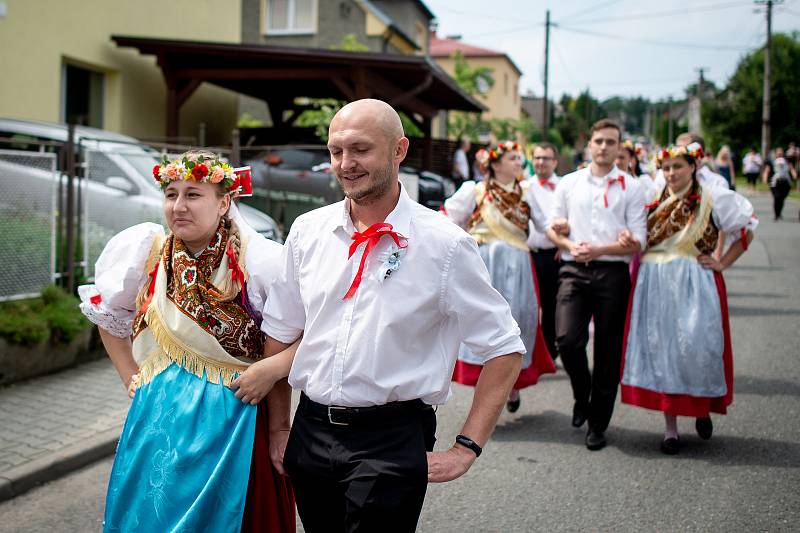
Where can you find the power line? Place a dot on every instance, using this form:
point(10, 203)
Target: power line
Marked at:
point(694, 46)
point(595, 8)
point(675, 12)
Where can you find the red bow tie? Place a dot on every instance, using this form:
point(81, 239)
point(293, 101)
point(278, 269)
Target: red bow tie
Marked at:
point(371, 236)
point(546, 183)
point(620, 179)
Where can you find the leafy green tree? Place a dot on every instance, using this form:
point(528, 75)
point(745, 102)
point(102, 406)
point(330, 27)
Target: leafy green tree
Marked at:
point(734, 116)
point(475, 81)
point(350, 43)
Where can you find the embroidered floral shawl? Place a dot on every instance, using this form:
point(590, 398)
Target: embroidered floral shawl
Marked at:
point(505, 214)
point(681, 223)
point(188, 320)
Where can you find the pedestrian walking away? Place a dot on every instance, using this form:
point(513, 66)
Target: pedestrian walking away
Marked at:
point(461, 163)
point(675, 362)
point(191, 455)
point(383, 291)
point(779, 175)
point(751, 167)
point(498, 213)
point(604, 210)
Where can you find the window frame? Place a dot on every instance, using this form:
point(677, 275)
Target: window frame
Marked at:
point(292, 11)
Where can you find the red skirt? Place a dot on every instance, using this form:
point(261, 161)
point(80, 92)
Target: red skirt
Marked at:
point(683, 404)
point(541, 363)
point(270, 498)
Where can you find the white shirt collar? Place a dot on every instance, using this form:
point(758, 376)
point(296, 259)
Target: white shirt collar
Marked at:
point(614, 173)
point(399, 218)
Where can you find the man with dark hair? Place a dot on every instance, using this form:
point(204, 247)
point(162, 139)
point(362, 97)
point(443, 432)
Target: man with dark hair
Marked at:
point(461, 163)
point(542, 186)
point(604, 210)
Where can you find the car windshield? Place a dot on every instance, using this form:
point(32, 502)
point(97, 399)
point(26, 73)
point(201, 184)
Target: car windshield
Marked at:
point(143, 163)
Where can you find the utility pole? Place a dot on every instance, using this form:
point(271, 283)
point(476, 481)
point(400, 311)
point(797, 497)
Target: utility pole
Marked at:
point(545, 110)
point(670, 140)
point(701, 83)
point(765, 110)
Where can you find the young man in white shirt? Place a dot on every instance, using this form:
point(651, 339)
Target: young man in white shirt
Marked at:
point(460, 162)
point(604, 208)
point(382, 291)
point(542, 186)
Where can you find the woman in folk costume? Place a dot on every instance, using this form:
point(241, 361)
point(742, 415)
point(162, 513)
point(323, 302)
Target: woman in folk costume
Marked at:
point(497, 213)
point(677, 351)
point(180, 316)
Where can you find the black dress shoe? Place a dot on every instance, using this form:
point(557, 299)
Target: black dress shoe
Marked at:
point(513, 405)
point(704, 427)
point(595, 440)
point(671, 446)
point(578, 417)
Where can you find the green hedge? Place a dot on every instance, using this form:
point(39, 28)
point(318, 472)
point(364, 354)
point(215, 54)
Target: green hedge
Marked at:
point(55, 316)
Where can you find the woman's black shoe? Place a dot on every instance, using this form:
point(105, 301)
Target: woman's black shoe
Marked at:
point(704, 427)
point(671, 446)
point(513, 406)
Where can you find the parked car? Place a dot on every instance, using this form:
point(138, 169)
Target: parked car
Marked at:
point(121, 191)
point(289, 181)
point(292, 180)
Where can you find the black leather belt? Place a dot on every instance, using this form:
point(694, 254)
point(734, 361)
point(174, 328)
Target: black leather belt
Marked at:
point(386, 414)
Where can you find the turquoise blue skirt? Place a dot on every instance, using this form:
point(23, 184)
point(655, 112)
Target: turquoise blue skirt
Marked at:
point(183, 460)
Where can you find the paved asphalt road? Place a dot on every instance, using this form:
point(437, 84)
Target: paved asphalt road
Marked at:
point(537, 475)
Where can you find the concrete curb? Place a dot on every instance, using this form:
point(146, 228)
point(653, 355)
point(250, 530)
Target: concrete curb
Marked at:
point(25, 477)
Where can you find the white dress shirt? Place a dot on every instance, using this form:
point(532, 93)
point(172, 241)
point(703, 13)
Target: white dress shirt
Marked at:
point(580, 198)
point(544, 194)
point(398, 337)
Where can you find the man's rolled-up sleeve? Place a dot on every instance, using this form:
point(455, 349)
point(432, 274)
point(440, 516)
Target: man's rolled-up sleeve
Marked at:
point(484, 319)
point(284, 315)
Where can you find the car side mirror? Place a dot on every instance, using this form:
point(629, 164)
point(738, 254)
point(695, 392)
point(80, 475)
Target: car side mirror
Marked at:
point(273, 160)
point(121, 184)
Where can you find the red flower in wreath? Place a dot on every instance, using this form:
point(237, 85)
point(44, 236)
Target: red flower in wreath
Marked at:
point(199, 171)
point(156, 172)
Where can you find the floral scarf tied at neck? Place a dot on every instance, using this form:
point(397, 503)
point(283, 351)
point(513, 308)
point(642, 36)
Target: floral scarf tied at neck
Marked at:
point(509, 203)
point(190, 288)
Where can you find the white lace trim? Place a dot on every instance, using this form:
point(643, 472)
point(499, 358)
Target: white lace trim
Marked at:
point(119, 327)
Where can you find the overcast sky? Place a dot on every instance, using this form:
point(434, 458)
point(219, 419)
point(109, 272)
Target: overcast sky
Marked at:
point(616, 47)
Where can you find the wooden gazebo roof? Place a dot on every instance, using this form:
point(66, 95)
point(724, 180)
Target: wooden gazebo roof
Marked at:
point(276, 74)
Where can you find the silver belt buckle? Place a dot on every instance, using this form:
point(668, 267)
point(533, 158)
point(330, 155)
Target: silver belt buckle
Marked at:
point(331, 408)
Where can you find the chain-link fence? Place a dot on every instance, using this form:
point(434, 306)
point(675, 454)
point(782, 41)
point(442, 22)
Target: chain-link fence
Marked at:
point(28, 195)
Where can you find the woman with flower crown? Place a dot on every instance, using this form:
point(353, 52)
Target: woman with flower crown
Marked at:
point(677, 349)
point(497, 212)
point(179, 316)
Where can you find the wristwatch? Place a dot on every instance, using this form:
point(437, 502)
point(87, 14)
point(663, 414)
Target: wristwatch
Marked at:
point(469, 443)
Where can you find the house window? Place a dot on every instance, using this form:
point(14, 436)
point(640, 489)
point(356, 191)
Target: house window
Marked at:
point(291, 16)
point(82, 101)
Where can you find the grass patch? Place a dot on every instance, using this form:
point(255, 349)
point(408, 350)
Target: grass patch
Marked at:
point(55, 316)
point(741, 185)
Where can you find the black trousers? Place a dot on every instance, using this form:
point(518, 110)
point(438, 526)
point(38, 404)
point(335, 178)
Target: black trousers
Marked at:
point(361, 477)
point(547, 268)
point(779, 193)
point(752, 177)
point(600, 290)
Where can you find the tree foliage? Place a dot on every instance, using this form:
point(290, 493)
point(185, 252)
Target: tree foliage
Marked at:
point(475, 81)
point(734, 116)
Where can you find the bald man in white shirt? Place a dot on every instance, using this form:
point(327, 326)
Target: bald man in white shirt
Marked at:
point(383, 291)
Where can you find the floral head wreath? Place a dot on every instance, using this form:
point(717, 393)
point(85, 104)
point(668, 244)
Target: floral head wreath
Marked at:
point(484, 156)
point(693, 151)
point(237, 181)
point(634, 148)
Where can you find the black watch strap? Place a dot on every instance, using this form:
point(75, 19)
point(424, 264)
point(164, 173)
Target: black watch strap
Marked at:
point(469, 443)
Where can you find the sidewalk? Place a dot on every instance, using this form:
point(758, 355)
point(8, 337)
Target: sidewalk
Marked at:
point(52, 425)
